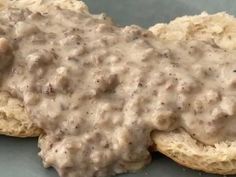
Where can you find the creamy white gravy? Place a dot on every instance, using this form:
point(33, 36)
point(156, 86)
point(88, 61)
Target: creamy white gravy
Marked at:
point(98, 90)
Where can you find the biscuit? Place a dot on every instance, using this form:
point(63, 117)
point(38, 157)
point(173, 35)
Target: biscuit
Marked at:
point(220, 28)
point(182, 148)
point(14, 121)
point(44, 5)
point(179, 145)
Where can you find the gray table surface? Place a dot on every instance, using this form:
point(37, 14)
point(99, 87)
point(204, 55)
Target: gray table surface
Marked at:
point(18, 157)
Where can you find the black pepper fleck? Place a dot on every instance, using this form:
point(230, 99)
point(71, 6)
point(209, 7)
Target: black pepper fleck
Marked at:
point(140, 84)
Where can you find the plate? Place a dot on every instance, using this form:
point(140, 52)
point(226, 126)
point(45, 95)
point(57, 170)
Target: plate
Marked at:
point(18, 157)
